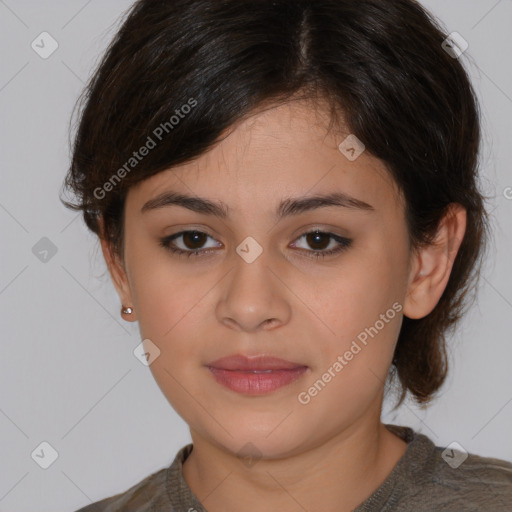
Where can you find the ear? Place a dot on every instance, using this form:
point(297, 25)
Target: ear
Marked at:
point(432, 265)
point(117, 270)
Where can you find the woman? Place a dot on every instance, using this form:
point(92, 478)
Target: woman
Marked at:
point(286, 197)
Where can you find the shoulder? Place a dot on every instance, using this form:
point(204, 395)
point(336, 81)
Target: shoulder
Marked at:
point(483, 483)
point(449, 478)
point(162, 490)
point(141, 497)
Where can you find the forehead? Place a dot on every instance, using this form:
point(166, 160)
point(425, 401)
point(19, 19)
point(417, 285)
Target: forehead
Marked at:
point(284, 151)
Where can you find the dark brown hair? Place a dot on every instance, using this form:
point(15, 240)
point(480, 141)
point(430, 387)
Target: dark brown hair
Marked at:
point(187, 70)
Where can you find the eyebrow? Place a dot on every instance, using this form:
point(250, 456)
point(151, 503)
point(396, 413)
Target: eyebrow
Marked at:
point(288, 207)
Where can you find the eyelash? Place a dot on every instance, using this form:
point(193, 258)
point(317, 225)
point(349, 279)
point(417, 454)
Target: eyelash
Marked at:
point(345, 243)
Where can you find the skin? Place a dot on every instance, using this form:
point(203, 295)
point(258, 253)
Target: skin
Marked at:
point(333, 452)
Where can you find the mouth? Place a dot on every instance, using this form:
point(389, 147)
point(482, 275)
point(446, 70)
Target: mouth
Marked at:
point(256, 375)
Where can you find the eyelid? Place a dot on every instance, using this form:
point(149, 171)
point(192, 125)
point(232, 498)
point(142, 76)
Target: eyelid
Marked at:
point(342, 243)
point(331, 230)
point(179, 234)
point(304, 230)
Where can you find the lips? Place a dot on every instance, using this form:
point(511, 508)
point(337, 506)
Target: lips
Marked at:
point(257, 375)
point(253, 364)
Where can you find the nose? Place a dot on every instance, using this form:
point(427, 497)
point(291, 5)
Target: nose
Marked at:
point(253, 297)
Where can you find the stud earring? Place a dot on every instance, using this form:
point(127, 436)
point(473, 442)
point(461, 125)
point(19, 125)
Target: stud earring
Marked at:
point(126, 311)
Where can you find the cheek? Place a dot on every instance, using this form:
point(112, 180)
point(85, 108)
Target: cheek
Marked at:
point(361, 307)
point(353, 301)
point(170, 312)
point(162, 294)
point(172, 308)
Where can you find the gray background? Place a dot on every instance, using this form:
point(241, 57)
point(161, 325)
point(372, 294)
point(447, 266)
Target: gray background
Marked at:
point(68, 375)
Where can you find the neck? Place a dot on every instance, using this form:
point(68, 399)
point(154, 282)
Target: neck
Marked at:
point(337, 474)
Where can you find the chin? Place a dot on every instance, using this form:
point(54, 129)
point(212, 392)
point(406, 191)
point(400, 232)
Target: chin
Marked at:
point(268, 439)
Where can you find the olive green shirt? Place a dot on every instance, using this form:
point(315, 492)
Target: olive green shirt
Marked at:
point(426, 479)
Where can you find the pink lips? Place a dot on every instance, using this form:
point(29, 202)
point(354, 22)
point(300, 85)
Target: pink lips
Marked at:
point(255, 375)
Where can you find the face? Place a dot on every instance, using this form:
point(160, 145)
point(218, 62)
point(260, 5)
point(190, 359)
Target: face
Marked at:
point(319, 285)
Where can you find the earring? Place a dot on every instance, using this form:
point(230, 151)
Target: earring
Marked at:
point(126, 311)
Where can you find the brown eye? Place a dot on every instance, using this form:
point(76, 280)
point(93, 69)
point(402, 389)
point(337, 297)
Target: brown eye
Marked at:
point(191, 245)
point(194, 240)
point(320, 240)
